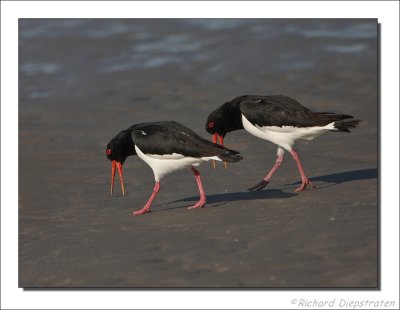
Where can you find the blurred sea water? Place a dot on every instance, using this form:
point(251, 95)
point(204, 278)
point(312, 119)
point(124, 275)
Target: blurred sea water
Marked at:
point(151, 44)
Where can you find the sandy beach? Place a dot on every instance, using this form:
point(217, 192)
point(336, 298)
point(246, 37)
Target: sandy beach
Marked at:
point(81, 81)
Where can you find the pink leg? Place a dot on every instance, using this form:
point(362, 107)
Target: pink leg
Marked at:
point(146, 208)
point(265, 181)
point(203, 198)
point(304, 180)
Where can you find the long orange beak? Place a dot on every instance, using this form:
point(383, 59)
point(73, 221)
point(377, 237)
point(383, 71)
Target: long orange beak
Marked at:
point(221, 141)
point(118, 165)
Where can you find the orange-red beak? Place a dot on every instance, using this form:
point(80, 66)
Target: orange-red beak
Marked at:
point(215, 137)
point(118, 165)
point(221, 139)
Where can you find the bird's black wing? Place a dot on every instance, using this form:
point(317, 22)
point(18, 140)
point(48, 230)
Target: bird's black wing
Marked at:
point(170, 124)
point(164, 138)
point(276, 111)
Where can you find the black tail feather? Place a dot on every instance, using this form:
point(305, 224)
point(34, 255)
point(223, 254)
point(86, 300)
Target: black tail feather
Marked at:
point(330, 115)
point(230, 157)
point(346, 125)
point(342, 122)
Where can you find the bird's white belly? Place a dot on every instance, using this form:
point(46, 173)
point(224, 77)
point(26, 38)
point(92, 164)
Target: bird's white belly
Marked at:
point(164, 164)
point(284, 136)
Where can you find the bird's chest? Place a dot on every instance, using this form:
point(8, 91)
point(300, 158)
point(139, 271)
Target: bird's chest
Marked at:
point(283, 136)
point(164, 164)
point(263, 132)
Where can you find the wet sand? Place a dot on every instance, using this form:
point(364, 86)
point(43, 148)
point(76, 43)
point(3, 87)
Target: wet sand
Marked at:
point(82, 81)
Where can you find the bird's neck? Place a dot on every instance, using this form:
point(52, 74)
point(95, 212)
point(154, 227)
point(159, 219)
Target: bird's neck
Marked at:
point(233, 116)
point(127, 145)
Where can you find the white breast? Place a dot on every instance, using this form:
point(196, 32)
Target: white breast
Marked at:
point(164, 164)
point(284, 136)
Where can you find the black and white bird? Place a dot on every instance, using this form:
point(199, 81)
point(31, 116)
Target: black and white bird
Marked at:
point(279, 119)
point(165, 146)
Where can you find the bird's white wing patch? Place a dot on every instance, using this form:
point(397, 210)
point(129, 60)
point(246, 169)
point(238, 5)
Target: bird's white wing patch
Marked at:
point(211, 158)
point(166, 156)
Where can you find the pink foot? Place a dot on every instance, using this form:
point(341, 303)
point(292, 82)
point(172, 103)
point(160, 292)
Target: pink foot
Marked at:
point(304, 180)
point(304, 184)
point(146, 208)
point(203, 199)
point(199, 204)
point(141, 211)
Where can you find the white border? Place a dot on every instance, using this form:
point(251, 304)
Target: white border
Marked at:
point(15, 298)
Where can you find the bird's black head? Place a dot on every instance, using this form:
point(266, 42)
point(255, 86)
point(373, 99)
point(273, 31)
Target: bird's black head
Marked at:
point(224, 119)
point(216, 123)
point(118, 149)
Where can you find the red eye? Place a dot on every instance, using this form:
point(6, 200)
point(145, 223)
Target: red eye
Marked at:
point(211, 124)
point(108, 151)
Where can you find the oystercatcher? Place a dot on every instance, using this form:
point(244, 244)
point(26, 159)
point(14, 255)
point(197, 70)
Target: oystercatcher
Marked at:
point(165, 146)
point(279, 119)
